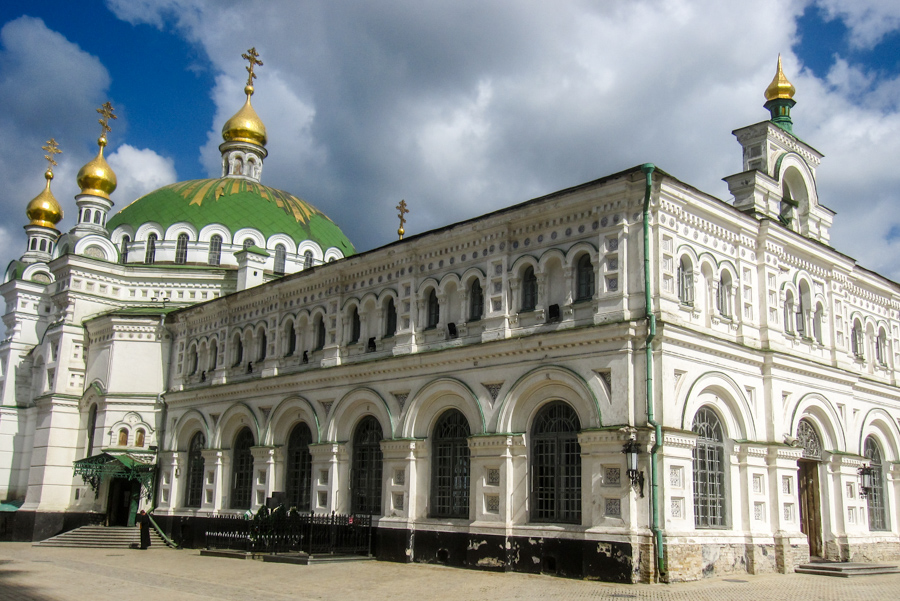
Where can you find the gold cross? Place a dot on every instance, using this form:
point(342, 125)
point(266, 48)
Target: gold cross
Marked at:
point(403, 210)
point(51, 148)
point(107, 111)
point(252, 56)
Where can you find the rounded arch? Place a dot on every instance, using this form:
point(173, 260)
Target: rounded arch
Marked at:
point(578, 249)
point(333, 254)
point(309, 245)
point(238, 416)
point(182, 227)
point(146, 229)
point(686, 250)
point(795, 176)
point(449, 279)
point(470, 274)
point(119, 232)
point(427, 284)
point(879, 423)
point(710, 387)
point(823, 415)
point(352, 407)
point(109, 250)
point(290, 246)
point(251, 233)
point(287, 414)
point(436, 397)
point(544, 384)
point(549, 256)
point(35, 269)
point(519, 265)
point(192, 421)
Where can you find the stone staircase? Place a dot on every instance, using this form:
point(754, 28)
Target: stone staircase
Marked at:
point(846, 569)
point(102, 537)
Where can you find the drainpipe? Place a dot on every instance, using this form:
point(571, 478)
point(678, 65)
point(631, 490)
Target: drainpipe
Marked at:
point(648, 169)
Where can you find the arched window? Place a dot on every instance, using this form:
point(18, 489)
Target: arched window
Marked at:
point(809, 440)
point(818, 319)
point(248, 242)
point(433, 310)
point(881, 353)
point(529, 290)
point(238, 350)
point(857, 340)
point(97, 215)
point(298, 476)
point(584, 278)
point(91, 426)
point(685, 282)
point(723, 295)
point(355, 326)
point(365, 489)
point(875, 496)
point(242, 470)
point(193, 494)
point(709, 470)
point(150, 254)
point(43, 245)
point(123, 249)
point(320, 333)
point(290, 335)
point(263, 346)
point(213, 355)
point(123, 437)
point(307, 259)
point(279, 259)
point(789, 313)
point(450, 466)
point(390, 320)
point(139, 438)
point(181, 249)
point(34, 244)
point(193, 361)
point(215, 250)
point(556, 465)
point(87, 216)
point(803, 312)
point(476, 301)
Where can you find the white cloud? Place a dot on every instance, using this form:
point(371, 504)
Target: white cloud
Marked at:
point(868, 20)
point(138, 172)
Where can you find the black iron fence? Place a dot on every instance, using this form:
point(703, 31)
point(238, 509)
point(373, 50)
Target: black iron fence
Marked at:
point(282, 531)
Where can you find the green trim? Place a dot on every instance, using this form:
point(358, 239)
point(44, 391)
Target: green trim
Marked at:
point(574, 374)
point(741, 399)
point(287, 400)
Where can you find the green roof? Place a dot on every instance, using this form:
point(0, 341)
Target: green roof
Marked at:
point(234, 203)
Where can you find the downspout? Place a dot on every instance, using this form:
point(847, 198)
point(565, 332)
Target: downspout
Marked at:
point(647, 169)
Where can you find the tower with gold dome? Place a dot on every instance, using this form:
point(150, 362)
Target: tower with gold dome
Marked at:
point(97, 181)
point(43, 214)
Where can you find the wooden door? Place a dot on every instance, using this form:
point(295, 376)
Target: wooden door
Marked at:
point(810, 506)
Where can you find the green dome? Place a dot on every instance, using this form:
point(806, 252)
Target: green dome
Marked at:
point(236, 204)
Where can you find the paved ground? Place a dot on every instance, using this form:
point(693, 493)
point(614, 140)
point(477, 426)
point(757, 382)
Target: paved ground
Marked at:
point(52, 574)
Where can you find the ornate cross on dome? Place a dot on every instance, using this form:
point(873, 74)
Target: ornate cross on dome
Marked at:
point(253, 57)
point(107, 111)
point(51, 148)
point(403, 210)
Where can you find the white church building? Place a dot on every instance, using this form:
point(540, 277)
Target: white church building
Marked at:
point(627, 380)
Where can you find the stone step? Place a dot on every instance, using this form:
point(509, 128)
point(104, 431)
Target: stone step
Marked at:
point(846, 569)
point(101, 537)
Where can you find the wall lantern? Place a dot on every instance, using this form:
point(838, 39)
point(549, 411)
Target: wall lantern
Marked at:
point(632, 449)
point(866, 480)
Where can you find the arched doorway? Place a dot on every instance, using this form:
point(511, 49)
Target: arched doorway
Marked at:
point(808, 480)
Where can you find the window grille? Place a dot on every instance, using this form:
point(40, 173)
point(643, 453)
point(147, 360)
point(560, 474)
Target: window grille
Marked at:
point(434, 309)
point(181, 249)
point(476, 301)
point(280, 257)
point(390, 326)
point(215, 250)
point(789, 314)
point(584, 278)
point(709, 470)
point(365, 493)
point(529, 290)
point(242, 470)
point(450, 466)
point(123, 250)
point(685, 283)
point(150, 254)
point(809, 440)
point(875, 498)
point(556, 465)
point(307, 259)
point(247, 243)
point(857, 341)
point(298, 475)
point(723, 296)
point(196, 465)
point(881, 348)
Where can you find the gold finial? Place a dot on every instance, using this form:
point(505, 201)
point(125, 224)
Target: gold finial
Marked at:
point(780, 88)
point(253, 58)
point(403, 211)
point(43, 209)
point(107, 111)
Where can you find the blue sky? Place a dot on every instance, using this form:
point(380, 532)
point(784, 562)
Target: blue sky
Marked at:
point(459, 107)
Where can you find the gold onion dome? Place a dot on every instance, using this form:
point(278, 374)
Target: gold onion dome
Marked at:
point(97, 177)
point(43, 209)
point(245, 126)
point(780, 88)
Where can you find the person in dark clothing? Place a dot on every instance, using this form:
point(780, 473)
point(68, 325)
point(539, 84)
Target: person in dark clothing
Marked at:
point(144, 524)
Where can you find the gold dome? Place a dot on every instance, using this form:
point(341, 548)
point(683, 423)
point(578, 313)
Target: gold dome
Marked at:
point(43, 210)
point(245, 126)
point(780, 88)
point(97, 177)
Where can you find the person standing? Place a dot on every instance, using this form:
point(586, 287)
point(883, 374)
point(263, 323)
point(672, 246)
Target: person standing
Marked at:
point(144, 525)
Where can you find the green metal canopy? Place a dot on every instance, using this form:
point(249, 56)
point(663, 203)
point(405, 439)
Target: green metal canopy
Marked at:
point(112, 464)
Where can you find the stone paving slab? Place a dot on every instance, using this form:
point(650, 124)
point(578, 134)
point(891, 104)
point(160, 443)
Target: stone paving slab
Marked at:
point(30, 573)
